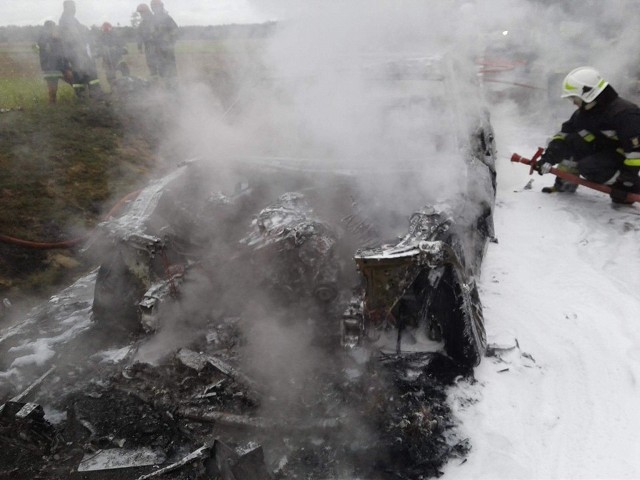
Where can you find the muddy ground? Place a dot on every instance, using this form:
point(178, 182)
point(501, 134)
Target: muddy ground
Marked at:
point(383, 418)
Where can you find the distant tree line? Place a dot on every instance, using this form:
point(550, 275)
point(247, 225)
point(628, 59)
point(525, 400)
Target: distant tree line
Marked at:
point(15, 34)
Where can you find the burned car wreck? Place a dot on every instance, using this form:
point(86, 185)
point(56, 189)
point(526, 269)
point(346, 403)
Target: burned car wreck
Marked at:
point(296, 229)
point(284, 321)
point(422, 280)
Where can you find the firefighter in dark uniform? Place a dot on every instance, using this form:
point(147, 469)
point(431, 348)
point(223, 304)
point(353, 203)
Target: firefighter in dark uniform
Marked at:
point(146, 41)
point(52, 61)
point(601, 140)
point(165, 36)
point(77, 49)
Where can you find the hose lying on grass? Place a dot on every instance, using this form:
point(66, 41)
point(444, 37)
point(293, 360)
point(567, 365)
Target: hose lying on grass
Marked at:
point(66, 244)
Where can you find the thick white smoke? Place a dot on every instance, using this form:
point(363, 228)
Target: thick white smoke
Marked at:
point(327, 91)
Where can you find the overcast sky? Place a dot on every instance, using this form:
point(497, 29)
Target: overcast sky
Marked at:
point(95, 12)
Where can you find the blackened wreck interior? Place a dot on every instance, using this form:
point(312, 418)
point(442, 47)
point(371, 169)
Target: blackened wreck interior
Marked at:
point(286, 322)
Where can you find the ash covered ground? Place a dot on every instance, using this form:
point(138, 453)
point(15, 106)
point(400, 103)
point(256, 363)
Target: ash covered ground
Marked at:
point(386, 417)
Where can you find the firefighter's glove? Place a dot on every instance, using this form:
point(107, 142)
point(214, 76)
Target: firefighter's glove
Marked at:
point(553, 154)
point(543, 167)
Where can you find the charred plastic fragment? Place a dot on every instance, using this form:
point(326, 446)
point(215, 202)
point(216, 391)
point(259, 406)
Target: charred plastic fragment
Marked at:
point(24, 432)
point(229, 464)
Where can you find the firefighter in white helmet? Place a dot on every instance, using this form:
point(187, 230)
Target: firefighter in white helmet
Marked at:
point(601, 140)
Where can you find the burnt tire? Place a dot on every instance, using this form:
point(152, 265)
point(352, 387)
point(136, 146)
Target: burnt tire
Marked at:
point(457, 307)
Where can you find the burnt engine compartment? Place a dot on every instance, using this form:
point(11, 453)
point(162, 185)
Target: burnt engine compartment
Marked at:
point(250, 344)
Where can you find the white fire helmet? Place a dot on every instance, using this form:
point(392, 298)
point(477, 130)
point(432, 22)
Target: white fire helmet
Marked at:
point(586, 83)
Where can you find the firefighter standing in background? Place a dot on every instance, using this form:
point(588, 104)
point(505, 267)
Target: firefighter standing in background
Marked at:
point(146, 39)
point(52, 62)
point(111, 48)
point(77, 50)
point(165, 36)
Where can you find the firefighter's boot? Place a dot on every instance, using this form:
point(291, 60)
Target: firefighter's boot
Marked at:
point(560, 185)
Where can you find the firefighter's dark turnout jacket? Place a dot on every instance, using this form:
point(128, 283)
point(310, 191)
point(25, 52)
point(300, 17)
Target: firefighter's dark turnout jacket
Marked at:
point(611, 125)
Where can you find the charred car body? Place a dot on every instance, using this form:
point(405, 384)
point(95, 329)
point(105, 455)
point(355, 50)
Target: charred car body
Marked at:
point(300, 325)
point(309, 236)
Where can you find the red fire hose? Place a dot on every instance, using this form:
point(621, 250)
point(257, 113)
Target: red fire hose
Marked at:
point(632, 197)
point(67, 243)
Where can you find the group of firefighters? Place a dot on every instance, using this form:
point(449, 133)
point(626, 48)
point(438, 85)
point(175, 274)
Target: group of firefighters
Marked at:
point(68, 51)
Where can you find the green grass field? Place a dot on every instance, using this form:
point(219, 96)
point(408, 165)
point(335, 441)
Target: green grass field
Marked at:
point(22, 84)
